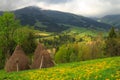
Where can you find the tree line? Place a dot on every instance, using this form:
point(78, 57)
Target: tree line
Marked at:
point(68, 48)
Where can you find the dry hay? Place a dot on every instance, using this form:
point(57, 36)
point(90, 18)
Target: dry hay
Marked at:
point(42, 58)
point(18, 61)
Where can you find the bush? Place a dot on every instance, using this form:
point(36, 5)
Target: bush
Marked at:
point(63, 55)
point(25, 37)
point(80, 51)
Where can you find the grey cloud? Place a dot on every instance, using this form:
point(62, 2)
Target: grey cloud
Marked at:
point(55, 1)
point(110, 7)
point(91, 7)
point(14, 4)
point(113, 2)
point(7, 5)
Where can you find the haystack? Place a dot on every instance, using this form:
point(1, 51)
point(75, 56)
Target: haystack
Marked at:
point(42, 58)
point(38, 51)
point(18, 61)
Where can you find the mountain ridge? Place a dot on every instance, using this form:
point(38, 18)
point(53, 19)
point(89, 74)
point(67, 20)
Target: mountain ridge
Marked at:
point(112, 20)
point(55, 21)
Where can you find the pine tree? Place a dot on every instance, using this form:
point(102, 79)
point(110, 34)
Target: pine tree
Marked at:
point(112, 43)
point(112, 33)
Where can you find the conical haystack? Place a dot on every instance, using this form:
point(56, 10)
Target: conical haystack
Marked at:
point(18, 61)
point(42, 58)
point(38, 51)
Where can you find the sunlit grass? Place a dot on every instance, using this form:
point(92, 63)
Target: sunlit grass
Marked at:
point(100, 69)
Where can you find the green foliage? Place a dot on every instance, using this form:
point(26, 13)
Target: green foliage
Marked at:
point(56, 40)
point(2, 59)
point(62, 55)
point(11, 34)
point(112, 33)
point(71, 52)
point(25, 37)
point(65, 54)
point(113, 47)
point(113, 43)
point(8, 22)
point(8, 25)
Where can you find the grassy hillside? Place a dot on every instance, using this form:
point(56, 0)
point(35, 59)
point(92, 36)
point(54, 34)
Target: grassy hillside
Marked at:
point(100, 69)
point(84, 31)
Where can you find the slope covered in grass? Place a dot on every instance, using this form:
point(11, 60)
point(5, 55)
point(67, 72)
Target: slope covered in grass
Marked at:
point(84, 31)
point(99, 69)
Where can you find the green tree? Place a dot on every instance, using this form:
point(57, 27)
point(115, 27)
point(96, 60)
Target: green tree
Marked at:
point(112, 33)
point(25, 37)
point(64, 54)
point(8, 24)
point(112, 44)
point(11, 34)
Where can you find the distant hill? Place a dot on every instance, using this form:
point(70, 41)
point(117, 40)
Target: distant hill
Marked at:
point(55, 21)
point(113, 20)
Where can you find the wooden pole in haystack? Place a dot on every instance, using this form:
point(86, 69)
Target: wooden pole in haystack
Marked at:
point(17, 64)
point(41, 62)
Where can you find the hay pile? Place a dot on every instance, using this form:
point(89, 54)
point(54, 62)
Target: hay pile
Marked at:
point(42, 58)
point(18, 61)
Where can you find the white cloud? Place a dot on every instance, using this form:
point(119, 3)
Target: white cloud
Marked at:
point(86, 7)
point(6, 5)
point(82, 7)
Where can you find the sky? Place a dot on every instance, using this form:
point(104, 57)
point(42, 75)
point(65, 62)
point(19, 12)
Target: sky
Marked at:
point(91, 8)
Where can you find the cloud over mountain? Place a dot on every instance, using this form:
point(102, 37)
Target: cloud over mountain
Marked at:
point(82, 7)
